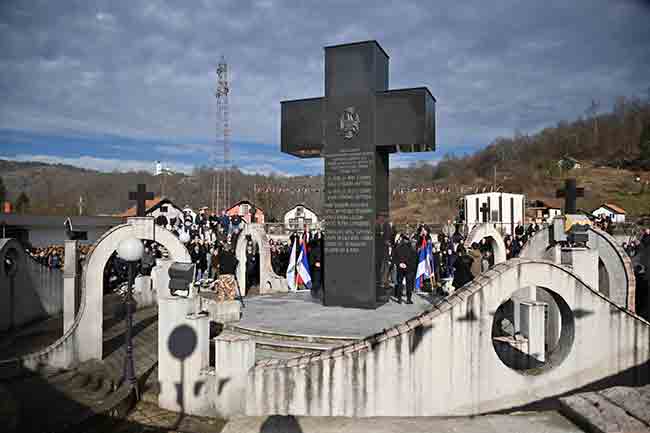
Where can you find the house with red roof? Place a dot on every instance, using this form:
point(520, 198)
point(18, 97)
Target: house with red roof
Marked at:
point(615, 213)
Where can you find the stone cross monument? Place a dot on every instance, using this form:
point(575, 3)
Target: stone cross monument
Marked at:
point(355, 127)
point(141, 196)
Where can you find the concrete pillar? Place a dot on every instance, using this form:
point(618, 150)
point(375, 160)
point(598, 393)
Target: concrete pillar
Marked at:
point(160, 277)
point(143, 292)
point(183, 357)
point(554, 254)
point(70, 283)
point(522, 295)
point(234, 356)
point(533, 327)
point(583, 262)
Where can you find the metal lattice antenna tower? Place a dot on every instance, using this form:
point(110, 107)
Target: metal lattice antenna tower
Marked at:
point(222, 181)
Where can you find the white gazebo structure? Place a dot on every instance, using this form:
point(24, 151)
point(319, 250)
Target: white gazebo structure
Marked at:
point(503, 210)
point(300, 216)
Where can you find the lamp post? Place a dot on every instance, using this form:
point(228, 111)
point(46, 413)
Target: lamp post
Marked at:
point(130, 250)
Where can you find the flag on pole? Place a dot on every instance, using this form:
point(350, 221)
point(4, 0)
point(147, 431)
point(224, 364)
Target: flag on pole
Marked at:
point(423, 270)
point(303, 267)
point(291, 270)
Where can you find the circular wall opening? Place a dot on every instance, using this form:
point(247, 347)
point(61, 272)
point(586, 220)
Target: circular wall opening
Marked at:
point(533, 331)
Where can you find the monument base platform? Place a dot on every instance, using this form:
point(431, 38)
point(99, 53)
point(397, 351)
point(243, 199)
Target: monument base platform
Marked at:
point(300, 316)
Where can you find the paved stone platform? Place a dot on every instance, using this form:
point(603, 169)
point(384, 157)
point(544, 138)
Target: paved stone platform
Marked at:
point(149, 418)
point(537, 422)
point(618, 409)
point(298, 313)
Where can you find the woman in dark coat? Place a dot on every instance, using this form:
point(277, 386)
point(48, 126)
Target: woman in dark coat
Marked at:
point(252, 266)
point(200, 260)
point(463, 269)
point(316, 266)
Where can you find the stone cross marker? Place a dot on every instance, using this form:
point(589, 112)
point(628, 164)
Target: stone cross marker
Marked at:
point(570, 194)
point(355, 127)
point(485, 212)
point(141, 196)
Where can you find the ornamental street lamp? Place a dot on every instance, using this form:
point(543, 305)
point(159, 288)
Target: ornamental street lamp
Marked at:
point(130, 250)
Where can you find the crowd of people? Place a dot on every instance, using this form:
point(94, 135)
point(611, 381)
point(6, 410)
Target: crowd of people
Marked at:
point(440, 262)
point(413, 260)
point(605, 223)
point(53, 256)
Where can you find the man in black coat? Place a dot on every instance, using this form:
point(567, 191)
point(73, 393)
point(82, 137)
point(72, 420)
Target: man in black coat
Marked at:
point(316, 266)
point(227, 261)
point(411, 271)
point(403, 260)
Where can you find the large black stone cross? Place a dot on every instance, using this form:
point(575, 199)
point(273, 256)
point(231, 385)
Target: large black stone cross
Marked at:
point(141, 196)
point(355, 127)
point(570, 194)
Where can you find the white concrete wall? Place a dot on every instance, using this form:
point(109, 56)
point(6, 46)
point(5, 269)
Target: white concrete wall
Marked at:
point(46, 236)
point(505, 220)
point(620, 281)
point(269, 281)
point(443, 362)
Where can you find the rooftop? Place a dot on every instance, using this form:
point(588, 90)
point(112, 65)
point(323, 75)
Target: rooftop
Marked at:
point(14, 219)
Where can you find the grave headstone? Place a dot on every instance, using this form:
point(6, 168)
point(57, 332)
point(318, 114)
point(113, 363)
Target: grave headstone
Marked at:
point(355, 127)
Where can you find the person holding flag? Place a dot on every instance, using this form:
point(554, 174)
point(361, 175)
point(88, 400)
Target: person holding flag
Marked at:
point(303, 277)
point(424, 265)
point(291, 270)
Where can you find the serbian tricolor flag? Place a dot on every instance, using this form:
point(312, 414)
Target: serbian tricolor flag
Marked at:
point(303, 267)
point(424, 269)
point(291, 270)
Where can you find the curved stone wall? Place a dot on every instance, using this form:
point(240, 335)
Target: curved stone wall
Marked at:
point(270, 282)
point(443, 362)
point(621, 284)
point(83, 340)
point(486, 230)
point(37, 291)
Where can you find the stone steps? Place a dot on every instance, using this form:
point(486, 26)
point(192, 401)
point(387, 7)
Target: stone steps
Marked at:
point(57, 401)
point(278, 345)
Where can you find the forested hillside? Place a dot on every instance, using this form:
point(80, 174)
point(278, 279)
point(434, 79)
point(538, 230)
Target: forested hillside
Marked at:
point(612, 147)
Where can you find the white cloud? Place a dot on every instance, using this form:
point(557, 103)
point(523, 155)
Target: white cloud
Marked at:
point(186, 148)
point(146, 69)
point(100, 164)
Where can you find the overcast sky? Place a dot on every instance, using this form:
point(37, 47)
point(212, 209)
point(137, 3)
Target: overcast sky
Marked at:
point(118, 84)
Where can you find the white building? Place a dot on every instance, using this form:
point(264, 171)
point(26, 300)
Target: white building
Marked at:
point(615, 213)
point(542, 210)
point(300, 215)
point(166, 208)
point(504, 210)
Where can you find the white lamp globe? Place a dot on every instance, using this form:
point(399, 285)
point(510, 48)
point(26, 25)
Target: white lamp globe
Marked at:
point(184, 237)
point(130, 250)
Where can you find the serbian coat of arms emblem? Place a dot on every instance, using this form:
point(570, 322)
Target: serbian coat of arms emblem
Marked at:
point(349, 122)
